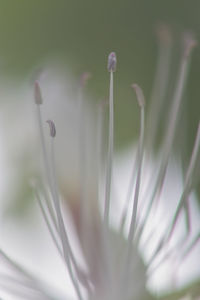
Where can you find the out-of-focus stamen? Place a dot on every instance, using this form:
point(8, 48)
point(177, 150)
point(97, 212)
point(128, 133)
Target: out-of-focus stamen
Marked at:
point(111, 68)
point(188, 183)
point(171, 129)
point(160, 83)
point(128, 260)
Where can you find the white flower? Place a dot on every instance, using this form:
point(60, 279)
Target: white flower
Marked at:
point(103, 257)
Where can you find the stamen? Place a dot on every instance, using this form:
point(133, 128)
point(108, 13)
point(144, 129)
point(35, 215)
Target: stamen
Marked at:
point(67, 250)
point(128, 260)
point(129, 194)
point(80, 273)
point(108, 280)
point(99, 142)
point(111, 68)
point(38, 101)
point(112, 62)
point(141, 102)
point(170, 133)
point(84, 79)
point(52, 128)
point(83, 160)
point(49, 226)
point(188, 183)
point(184, 197)
point(50, 209)
point(140, 95)
point(189, 43)
point(37, 93)
point(48, 205)
point(160, 83)
point(187, 217)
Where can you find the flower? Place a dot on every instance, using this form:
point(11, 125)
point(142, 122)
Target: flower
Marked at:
point(108, 263)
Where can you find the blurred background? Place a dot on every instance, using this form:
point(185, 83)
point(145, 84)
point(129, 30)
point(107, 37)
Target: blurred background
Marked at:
point(78, 35)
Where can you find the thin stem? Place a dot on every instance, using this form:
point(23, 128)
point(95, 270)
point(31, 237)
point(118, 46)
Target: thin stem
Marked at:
point(49, 226)
point(127, 265)
point(67, 251)
point(138, 179)
point(99, 143)
point(187, 216)
point(51, 210)
point(188, 182)
point(44, 151)
point(82, 136)
point(129, 193)
point(110, 154)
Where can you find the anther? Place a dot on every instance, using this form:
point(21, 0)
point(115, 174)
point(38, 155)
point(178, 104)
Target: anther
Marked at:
point(112, 62)
point(164, 34)
point(37, 93)
point(189, 43)
point(52, 128)
point(85, 76)
point(139, 94)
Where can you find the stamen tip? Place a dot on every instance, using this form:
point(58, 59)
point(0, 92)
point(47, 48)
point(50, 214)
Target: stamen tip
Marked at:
point(139, 94)
point(189, 43)
point(164, 34)
point(52, 128)
point(37, 93)
point(112, 62)
point(85, 76)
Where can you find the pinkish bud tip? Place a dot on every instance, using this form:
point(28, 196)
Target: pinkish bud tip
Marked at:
point(112, 62)
point(52, 128)
point(164, 34)
point(139, 94)
point(84, 78)
point(37, 93)
point(189, 43)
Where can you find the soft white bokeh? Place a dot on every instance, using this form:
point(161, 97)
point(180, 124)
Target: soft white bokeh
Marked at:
point(171, 274)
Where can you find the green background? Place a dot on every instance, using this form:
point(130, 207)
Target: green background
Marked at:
point(81, 34)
